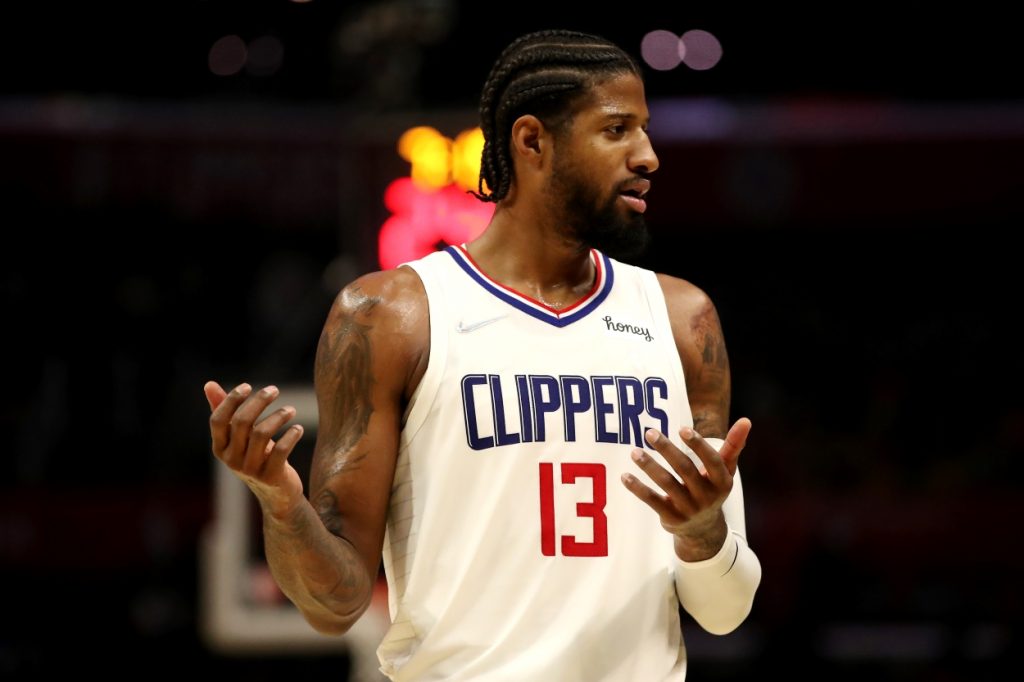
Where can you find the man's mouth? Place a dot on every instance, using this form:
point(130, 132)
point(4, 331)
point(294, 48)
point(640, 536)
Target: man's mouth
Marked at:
point(633, 194)
point(634, 201)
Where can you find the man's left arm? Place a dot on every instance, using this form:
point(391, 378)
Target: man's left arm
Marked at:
point(716, 572)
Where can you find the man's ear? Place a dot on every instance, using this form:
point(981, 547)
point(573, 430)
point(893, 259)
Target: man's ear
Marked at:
point(530, 140)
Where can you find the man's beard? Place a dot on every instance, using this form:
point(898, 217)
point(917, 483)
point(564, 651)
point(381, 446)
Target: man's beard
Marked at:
point(598, 224)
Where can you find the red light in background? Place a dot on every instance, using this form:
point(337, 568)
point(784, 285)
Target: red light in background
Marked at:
point(421, 219)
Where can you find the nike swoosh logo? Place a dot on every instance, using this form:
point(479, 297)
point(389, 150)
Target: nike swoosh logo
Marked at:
point(463, 328)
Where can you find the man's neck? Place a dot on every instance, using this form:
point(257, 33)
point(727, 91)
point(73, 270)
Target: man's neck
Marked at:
point(522, 253)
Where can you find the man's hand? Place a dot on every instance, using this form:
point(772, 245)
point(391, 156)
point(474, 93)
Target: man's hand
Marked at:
point(690, 506)
point(248, 448)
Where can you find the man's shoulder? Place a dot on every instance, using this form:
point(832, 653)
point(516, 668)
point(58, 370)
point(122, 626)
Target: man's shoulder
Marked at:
point(389, 306)
point(387, 311)
point(682, 297)
point(389, 289)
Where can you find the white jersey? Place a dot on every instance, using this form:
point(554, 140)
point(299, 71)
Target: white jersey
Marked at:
point(513, 551)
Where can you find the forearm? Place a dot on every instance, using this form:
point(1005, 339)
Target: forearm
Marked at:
point(718, 588)
point(321, 573)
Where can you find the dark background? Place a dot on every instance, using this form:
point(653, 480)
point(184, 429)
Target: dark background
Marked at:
point(846, 184)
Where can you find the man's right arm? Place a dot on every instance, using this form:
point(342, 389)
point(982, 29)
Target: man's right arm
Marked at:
point(324, 552)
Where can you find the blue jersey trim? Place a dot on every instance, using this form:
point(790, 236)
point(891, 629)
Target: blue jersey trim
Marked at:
point(553, 319)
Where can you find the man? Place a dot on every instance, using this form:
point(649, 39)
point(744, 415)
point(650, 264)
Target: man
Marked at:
point(477, 407)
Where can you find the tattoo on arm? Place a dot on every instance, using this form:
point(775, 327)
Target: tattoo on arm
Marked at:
point(344, 378)
point(331, 566)
point(317, 566)
point(343, 364)
point(710, 390)
point(326, 506)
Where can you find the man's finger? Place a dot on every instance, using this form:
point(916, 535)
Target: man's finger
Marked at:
point(659, 503)
point(242, 422)
point(283, 448)
point(220, 419)
point(734, 443)
point(259, 441)
point(668, 483)
point(676, 458)
point(215, 395)
point(714, 464)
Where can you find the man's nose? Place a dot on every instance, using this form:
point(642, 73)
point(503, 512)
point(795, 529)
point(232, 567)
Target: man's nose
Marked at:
point(643, 159)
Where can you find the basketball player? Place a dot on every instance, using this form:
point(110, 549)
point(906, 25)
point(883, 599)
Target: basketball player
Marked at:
point(535, 432)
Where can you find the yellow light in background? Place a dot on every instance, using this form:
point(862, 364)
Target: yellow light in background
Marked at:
point(430, 166)
point(438, 161)
point(429, 153)
point(466, 151)
point(412, 138)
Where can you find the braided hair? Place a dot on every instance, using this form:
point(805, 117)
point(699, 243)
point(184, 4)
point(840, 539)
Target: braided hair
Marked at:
point(543, 74)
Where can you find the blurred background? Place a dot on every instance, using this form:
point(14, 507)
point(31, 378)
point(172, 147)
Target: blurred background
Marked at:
point(188, 184)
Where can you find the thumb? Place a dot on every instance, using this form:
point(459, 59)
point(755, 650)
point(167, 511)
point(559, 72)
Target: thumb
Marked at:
point(214, 394)
point(734, 443)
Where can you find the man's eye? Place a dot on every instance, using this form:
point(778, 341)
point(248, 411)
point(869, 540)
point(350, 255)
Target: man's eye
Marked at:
point(617, 129)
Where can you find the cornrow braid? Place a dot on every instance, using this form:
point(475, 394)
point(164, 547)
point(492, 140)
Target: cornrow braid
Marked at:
point(542, 74)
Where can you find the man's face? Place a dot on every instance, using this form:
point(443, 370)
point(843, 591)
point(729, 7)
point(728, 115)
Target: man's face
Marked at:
point(600, 169)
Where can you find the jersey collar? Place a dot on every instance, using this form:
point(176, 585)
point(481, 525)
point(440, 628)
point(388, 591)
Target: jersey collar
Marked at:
point(534, 308)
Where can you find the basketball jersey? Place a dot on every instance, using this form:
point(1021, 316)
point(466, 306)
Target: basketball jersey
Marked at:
point(513, 551)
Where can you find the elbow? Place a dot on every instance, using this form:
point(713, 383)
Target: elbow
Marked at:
point(331, 623)
point(330, 626)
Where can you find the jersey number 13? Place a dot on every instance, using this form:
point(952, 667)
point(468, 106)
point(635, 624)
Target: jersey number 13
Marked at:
point(594, 510)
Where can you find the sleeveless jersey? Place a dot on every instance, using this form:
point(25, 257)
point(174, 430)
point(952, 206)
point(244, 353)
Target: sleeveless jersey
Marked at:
point(513, 551)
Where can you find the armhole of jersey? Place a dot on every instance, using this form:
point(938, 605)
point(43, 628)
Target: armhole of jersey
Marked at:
point(426, 392)
point(659, 313)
